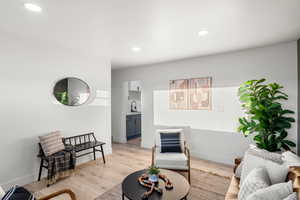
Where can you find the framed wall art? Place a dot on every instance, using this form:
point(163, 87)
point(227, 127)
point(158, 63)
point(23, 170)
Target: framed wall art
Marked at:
point(178, 94)
point(200, 93)
point(191, 94)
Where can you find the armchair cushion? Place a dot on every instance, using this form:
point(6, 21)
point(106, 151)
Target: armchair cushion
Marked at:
point(171, 160)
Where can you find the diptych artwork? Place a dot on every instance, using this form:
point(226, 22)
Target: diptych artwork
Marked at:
point(190, 94)
point(178, 94)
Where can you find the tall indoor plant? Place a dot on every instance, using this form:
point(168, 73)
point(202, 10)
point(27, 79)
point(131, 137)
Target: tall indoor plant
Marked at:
point(266, 118)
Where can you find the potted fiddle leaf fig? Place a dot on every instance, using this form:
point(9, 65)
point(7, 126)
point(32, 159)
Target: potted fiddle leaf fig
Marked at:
point(266, 118)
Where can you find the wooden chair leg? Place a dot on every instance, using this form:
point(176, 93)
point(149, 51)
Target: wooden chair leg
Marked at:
point(94, 149)
point(102, 154)
point(189, 176)
point(41, 168)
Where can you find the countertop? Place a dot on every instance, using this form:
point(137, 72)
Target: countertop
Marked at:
point(133, 113)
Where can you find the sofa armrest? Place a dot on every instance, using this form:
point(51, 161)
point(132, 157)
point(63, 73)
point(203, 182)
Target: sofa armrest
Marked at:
point(237, 162)
point(188, 155)
point(294, 175)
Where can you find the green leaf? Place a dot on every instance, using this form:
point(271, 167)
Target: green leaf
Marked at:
point(283, 112)
point(289, 143)
point(257, 138)
point(283, 125)
point(245, 97)
point(286, 147)
point(289, 119)
point(261, 80)
point(283, 134)
point(280, 97)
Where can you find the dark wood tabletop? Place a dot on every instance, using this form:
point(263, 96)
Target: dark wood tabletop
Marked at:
point(134, 191)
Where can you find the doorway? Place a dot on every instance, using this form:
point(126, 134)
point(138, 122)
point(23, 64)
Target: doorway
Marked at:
point(134, 113)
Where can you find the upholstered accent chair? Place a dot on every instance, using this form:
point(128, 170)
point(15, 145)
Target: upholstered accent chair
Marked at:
point(178, 161)
point(26, 193)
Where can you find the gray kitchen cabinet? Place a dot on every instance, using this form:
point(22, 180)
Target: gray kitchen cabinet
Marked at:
point(133, 126)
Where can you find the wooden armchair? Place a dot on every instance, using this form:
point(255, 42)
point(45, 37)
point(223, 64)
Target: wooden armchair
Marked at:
point(172, 161)
point(58, 193)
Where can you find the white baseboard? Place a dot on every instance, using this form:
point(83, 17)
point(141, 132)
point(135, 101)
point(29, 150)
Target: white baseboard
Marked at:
point(18, 181)
point(23, 180)
point(209, 158)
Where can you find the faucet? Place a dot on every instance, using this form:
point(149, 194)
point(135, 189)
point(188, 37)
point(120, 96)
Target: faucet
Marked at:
point(133, 106)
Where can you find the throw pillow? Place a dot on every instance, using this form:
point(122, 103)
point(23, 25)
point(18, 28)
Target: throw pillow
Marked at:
point(157, 137)
point(52, 143)
point(18, 193)
point(290, 158)
point(170, 143)
point(274, 192)
point(292, 196)
point(276, 171)
point(257, 179)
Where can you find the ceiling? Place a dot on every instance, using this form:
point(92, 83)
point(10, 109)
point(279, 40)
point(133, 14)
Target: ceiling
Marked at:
point(163, 29)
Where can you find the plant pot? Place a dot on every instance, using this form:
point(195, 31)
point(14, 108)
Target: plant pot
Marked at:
point(153, 178)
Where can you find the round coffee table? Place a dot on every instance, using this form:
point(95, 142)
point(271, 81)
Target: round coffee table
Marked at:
point(132, 189)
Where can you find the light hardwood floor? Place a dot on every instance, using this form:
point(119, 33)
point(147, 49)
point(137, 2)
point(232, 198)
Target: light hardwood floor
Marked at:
point(95, 178)
point(135, 141)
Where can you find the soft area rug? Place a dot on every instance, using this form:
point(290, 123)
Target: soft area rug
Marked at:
point(205, 186)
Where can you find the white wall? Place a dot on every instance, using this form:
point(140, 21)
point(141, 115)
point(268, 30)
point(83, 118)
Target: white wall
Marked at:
point(28, 72)
point(211, 134)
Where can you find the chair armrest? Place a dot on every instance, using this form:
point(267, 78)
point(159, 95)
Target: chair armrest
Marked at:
point(188, 155)
point(153, 152)
point(187, 151)
point(294, 175)
point(55, 194)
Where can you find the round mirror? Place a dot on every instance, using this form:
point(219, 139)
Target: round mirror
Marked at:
point(71, 91)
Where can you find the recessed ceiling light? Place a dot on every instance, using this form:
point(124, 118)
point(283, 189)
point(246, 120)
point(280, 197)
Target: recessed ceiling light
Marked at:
point(203, 32)
point(136, 49)
point(33, 7)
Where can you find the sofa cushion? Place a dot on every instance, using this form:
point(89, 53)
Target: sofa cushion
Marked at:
point(292, 196)
point(290, 159)
point(277, 172)
point(277, 191)
point(52, 143)
point(171, 160)
point(273, 156)
point(257, 179)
